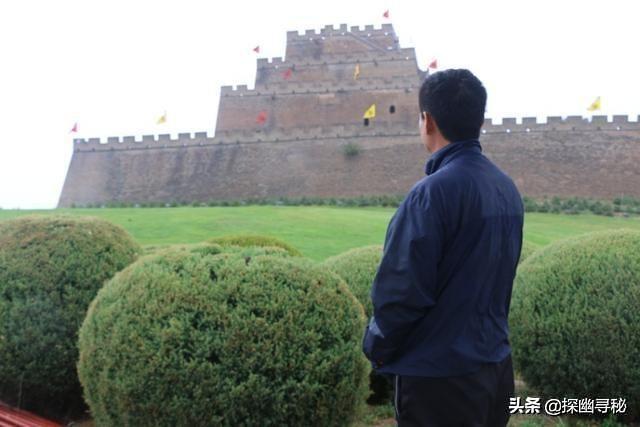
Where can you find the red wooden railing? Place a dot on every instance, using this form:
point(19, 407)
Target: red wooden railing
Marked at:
point(12, 417)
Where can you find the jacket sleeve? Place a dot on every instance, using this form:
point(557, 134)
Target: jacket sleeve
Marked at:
point(404, 287)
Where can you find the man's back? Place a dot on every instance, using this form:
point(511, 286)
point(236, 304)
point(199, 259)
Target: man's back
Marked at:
point(479, 213)
point(442, 291)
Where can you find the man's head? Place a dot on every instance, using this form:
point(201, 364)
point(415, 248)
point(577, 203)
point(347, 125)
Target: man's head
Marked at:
point(452, 105)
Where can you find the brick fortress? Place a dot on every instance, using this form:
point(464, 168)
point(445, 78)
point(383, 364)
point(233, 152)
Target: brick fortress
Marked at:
point(287, 137)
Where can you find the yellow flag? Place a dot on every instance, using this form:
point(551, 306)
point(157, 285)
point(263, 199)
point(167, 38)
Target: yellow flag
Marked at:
point(356, 72)
point(162, 119)
point(595, 105)
point(370, 113)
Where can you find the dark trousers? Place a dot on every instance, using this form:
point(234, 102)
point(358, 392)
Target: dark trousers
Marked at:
point(477, 399)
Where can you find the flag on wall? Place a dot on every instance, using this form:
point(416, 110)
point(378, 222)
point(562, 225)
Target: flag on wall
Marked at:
point(287, 74)
point(595, 105)
point(162, 119)
point(356, 72)
point(256, 49)
point(262, 117)
point(74, 129)
point(386, 14)
point(370, 113)
point(434, 64)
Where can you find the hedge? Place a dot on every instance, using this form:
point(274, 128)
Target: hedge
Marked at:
point(575, 318)
point(200, 339)
point(50, 270)
point(625, 205)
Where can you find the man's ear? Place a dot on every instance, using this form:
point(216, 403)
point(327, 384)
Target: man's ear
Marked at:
point(430, 124)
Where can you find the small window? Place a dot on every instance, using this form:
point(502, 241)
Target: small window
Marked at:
point(366, 122)
point(392, 109)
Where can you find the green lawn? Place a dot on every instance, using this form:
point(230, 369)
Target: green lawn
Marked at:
point(318, 232)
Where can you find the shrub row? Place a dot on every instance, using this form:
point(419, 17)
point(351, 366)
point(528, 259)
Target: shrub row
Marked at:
point(577, 205)
point(362, 201)
point(242, 330)
point(573, 205)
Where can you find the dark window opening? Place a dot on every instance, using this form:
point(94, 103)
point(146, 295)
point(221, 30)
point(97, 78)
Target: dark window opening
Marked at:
point(366, 122)
point(392, 109)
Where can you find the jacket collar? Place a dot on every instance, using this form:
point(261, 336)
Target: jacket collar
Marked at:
point(446, 154)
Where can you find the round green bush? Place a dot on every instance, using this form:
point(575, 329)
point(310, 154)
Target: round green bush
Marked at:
point(190, 338)
point(527, 250)
point(358, 268)
point(575, 318)
point(254, 240)
point(50, 270)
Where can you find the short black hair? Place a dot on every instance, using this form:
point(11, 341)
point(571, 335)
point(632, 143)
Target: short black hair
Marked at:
point(456, 99)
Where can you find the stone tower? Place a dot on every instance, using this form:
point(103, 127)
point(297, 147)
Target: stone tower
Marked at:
point(328, 80)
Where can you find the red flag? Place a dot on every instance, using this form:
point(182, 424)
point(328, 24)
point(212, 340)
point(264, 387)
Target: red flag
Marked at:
point(262, 117)
point(256, 49)
point(74, 128)
point(386, 14)
point(434, 64)
point(287, 74)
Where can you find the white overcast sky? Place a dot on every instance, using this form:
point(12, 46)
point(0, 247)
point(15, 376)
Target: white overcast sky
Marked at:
point(115, 66)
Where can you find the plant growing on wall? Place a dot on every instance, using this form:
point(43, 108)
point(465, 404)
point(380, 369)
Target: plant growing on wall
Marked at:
point(351, 149)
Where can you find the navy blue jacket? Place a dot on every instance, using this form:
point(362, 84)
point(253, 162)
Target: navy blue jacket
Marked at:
point(442, 291)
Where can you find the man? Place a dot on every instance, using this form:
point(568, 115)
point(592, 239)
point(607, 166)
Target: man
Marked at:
point(442, 291)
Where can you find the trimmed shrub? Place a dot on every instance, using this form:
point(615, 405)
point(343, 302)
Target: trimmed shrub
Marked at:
point(575, 318)
point(358, 269)
point(188, 338)
point(254, 240)
point(527, 250)
point(50, 270)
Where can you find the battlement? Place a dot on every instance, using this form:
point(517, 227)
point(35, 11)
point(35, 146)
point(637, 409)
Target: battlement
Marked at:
point(342, 40)
point(342, 30)
point(375, 57)
point(377, 129)
point(142, 142)
point(327, 86)
point(557, 123)
point(236, 137)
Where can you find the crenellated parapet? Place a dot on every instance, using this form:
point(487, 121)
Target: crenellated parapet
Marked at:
point(372, 57)
point(235, 137)
point(508, 125)
point(143, 142)
point(320, 86)
point(557, 123)
point(331, 40)
point(342, 30)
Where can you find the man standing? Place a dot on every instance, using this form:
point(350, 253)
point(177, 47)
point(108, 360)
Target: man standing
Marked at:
point(442, 291)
